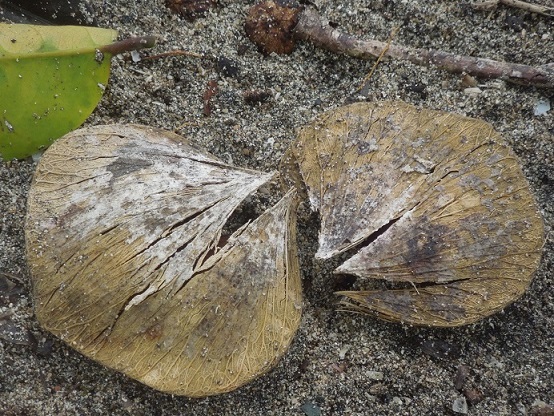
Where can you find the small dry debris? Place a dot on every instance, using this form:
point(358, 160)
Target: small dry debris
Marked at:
point(473, 91)
point(269, 25)
point(210, 91)
point(473, 395)
point(375, 375)
point(253, 97)
point(460, 405)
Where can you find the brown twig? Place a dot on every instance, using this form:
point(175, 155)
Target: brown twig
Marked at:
point(265, 28)
point(129, 44)
point(530, 7)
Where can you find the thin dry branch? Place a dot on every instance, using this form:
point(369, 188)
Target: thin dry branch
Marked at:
point(271, 23)
point(129, 44)
point(312, 27)
point(530, 7)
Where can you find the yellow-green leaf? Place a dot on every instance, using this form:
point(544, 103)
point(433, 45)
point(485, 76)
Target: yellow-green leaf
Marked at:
point(51, 79)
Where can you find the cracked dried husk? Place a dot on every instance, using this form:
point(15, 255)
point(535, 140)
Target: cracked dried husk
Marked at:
point(124, 246)
point(432, 201)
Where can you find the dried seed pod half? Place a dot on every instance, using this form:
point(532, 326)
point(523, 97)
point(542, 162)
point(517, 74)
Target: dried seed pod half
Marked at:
point(123, 233)
point(432, 201)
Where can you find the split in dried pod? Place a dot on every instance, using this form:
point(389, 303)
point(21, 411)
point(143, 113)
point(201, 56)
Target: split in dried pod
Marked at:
point(129, 266)
point(434, 202)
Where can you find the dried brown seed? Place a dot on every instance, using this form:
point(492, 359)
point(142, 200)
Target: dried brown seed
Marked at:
point(433, 200)
point(122, 236)
point(270, 25)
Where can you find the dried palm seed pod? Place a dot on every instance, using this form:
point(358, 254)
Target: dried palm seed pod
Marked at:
point(434, 202)
point(122, 236)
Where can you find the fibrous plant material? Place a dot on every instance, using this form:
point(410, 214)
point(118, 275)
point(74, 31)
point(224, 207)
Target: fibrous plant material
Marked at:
point(431, 201)
point(274, 26)
point(129, 265)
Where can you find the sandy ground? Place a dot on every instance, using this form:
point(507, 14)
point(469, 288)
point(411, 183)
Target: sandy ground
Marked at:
point(338, 364)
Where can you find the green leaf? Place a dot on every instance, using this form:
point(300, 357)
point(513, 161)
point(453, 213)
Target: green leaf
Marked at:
point(51, 79)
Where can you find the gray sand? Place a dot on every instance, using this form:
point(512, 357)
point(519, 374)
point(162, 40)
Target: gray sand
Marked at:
point(341, 364)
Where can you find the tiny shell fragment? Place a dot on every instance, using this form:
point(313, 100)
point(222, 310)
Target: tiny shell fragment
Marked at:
point(429, 199)
point(122, 237)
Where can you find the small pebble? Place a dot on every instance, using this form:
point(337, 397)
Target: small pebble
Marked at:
point(460, 405)
point(461, 376)
point(473, 91)
point(311, 409)
point(135, 56)
point(397, 400)
point(374, 375)
point(542, 107)
point(343, 351)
